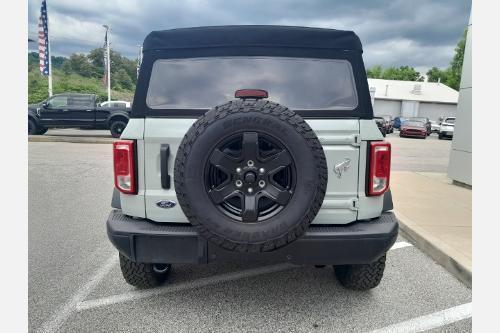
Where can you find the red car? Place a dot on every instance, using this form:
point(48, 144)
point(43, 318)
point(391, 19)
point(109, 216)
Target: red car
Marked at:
point(415, 129)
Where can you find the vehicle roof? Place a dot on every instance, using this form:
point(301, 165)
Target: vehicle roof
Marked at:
point(252, 35)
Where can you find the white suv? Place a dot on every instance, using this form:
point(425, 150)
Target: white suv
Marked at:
point(252, 143)
point(447, 128)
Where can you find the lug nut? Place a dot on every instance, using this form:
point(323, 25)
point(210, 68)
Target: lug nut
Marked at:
point(250, 163)
point(262, 170)
point(239, 183)
point(238, 170)
point(262, 183)
point(250, 190)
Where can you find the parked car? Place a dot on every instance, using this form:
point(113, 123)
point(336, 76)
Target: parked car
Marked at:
point(447, 128)
point(425, 120)
point(398, 121)
point(381, 124)
point(75, 110)
point(390, 123)
point(115, 104)
point(203, 177)
point(414, 129)
point(435, 126)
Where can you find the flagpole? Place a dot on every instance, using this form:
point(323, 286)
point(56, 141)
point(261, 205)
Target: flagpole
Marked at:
point(109, 67)
point(50, 54)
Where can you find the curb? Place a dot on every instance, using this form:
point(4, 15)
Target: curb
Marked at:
point(70, 139)
point(432, 249)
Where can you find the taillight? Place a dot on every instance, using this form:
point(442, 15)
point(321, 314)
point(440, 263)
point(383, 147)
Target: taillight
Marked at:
point(124, 166)
point(380, 168)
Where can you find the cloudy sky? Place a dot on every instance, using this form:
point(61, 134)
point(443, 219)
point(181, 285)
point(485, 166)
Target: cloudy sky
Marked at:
point(419, 33)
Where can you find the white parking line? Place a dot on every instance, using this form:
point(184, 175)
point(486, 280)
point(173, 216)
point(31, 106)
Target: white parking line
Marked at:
point(139, 294)
point(61, 314)
point(399, 245)
point(428, 322)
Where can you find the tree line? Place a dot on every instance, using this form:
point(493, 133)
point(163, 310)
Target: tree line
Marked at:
point(83, 73)
point(450, 76)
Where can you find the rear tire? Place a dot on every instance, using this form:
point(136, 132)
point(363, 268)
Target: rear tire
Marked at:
point(116, 128)
point(440, 137)
point(32, 128)
point(42, 131)
point(142, 275)
point(361, 277)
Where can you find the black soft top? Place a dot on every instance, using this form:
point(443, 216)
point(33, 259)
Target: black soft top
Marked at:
point(252, 35)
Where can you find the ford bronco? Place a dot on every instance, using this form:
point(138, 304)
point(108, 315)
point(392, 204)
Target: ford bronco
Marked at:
point(252, 143)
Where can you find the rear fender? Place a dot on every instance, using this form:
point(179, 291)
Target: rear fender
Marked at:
point(117, 115)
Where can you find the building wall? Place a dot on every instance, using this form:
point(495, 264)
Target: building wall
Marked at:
point(460, 166)
point(435, 110)
point(387, 107)
point(413, 109)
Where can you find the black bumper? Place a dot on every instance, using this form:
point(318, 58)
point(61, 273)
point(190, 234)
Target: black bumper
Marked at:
point(357, 243)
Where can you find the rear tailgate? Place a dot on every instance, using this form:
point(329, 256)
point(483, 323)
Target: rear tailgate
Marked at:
point(340, 140)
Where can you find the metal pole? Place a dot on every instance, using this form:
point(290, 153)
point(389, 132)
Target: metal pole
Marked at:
point(50, 56)
point(139, 60)
point(109, 67)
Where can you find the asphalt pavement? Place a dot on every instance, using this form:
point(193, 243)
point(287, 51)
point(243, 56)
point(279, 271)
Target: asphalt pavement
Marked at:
point(421, 155)
point(75, 283)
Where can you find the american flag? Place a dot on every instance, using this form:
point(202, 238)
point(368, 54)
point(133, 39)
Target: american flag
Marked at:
point(105, 53)
point(43, 40)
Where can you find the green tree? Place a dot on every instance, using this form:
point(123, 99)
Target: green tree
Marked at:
point(83, 73)
point(80, 64)
point(375, 72)
point(456, 64)
point(121, 80)
point(435, 74)
point(452, 75)
point(404, 73)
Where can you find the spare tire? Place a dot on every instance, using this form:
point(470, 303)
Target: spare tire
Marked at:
point(250, 175)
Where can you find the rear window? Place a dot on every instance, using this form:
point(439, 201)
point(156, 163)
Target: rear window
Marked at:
point(82, 101)
point(449, 120)
point(298, 83)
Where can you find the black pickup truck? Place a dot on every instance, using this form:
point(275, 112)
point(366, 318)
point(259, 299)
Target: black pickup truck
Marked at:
point(75, 110)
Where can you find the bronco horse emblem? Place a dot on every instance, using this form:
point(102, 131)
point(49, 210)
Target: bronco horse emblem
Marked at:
point(341, 167)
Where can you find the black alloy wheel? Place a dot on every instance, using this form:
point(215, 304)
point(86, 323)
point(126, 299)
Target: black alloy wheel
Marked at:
point(250, 176)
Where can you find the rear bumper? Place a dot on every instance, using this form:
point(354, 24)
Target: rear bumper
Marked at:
point(446, 134)
point(357, 243)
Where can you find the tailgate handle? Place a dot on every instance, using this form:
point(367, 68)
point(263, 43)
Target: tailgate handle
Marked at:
point(164, 155)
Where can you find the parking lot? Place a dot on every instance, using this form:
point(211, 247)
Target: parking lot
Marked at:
point(75, 282)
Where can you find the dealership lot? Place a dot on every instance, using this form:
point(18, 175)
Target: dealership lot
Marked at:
point(75, 282)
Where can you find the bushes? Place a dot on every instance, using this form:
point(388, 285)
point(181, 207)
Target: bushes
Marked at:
point(61, 83)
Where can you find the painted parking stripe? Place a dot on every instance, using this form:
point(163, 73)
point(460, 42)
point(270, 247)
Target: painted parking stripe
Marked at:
point(139, 294)
point(428, 322)
point(400, 245)
point(63, 313)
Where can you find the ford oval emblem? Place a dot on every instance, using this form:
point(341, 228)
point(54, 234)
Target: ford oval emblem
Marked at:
point(166, 204)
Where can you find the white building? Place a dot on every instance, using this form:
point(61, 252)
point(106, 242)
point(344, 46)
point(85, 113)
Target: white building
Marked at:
point(460, 167)
point(412, 99)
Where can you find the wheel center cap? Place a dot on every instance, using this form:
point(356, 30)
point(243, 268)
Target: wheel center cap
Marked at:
point(250, 177)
